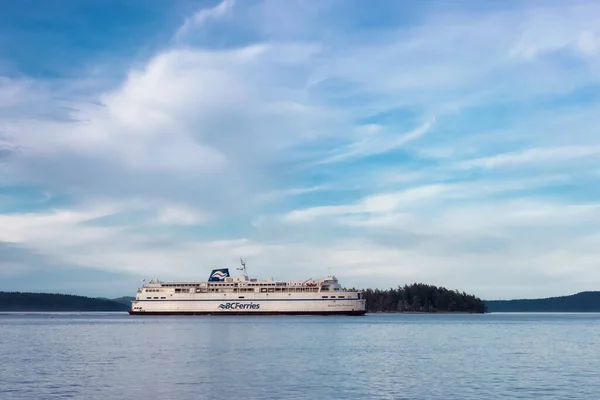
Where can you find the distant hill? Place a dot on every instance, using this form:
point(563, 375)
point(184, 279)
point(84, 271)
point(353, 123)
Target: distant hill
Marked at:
point(124, 300)
point(580, 302)
point(20, 301)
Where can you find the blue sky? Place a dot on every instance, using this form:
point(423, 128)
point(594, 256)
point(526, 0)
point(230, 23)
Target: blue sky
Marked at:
point(450, 143)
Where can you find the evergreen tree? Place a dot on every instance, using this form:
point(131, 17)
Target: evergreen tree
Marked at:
point(419, 297)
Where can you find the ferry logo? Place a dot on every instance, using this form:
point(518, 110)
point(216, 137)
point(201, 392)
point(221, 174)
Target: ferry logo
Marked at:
point(239, 306)
point(218, 275)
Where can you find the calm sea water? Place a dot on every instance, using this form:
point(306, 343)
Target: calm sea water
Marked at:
point(116, 356)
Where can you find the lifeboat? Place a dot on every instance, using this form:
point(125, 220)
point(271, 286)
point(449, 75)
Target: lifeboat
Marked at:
point(311, 284)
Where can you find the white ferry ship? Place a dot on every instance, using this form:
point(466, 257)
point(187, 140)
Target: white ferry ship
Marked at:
point(223, 294)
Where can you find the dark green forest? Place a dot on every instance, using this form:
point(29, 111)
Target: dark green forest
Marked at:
point(124, 300)
point(419, 297)
point(580, 302)
point(20, 301)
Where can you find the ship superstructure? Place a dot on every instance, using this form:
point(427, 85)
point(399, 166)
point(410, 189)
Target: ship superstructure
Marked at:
point(223, 294)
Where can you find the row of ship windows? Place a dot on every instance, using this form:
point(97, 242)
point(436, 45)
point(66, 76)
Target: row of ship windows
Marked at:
point(270, 289)
point(221, 285)
point(263, 290)
point(241, 297)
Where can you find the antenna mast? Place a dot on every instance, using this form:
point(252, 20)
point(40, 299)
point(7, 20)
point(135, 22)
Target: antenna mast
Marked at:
point(243, 269)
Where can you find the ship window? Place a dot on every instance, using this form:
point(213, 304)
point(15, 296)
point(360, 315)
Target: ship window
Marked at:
point(156, 297)
point(163, 297)
point(148, 298)
point(341, 297)
point(240, 297)
point(324, 297)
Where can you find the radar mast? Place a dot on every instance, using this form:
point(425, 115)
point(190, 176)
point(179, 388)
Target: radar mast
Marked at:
point(243, 269)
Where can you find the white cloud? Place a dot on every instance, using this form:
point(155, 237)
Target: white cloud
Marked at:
point(588, 43)
point(549, 29)
point(7, 146)
point(54, 227)
point(461, 254)
point(375, 143)
point(534, 156)
point(203, 16)
point(190, 120)
point(377, 203)
point(393, 205)
point(180, 215)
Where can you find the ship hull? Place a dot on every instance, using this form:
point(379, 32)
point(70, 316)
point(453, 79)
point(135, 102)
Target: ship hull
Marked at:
point(233, 304)
point(232, 313)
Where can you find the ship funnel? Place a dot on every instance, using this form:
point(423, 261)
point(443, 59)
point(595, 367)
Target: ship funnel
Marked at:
point(218, 275)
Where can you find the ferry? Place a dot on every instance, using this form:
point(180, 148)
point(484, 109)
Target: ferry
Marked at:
point(223, 294)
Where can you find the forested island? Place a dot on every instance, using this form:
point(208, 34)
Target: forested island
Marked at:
point(419, 297)
point(580, 302)
point(20, 301)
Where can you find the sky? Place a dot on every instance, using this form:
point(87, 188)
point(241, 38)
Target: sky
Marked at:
point(450, 143)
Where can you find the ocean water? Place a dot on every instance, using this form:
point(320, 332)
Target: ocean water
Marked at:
point(397, 356)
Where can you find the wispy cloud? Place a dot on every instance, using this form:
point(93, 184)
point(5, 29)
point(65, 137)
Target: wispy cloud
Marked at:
point(534, 156)
point(378, 203)
point(375, 143)
point(203, 16)
point(388, 207)
point(281, 194)
point(180, 215)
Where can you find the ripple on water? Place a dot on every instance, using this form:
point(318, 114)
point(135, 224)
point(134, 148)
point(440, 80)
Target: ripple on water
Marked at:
point(492, 356)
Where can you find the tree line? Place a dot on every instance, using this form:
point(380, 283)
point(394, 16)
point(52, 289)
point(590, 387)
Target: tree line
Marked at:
point(580, 302)
point(20, 301)
point(419, 297)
